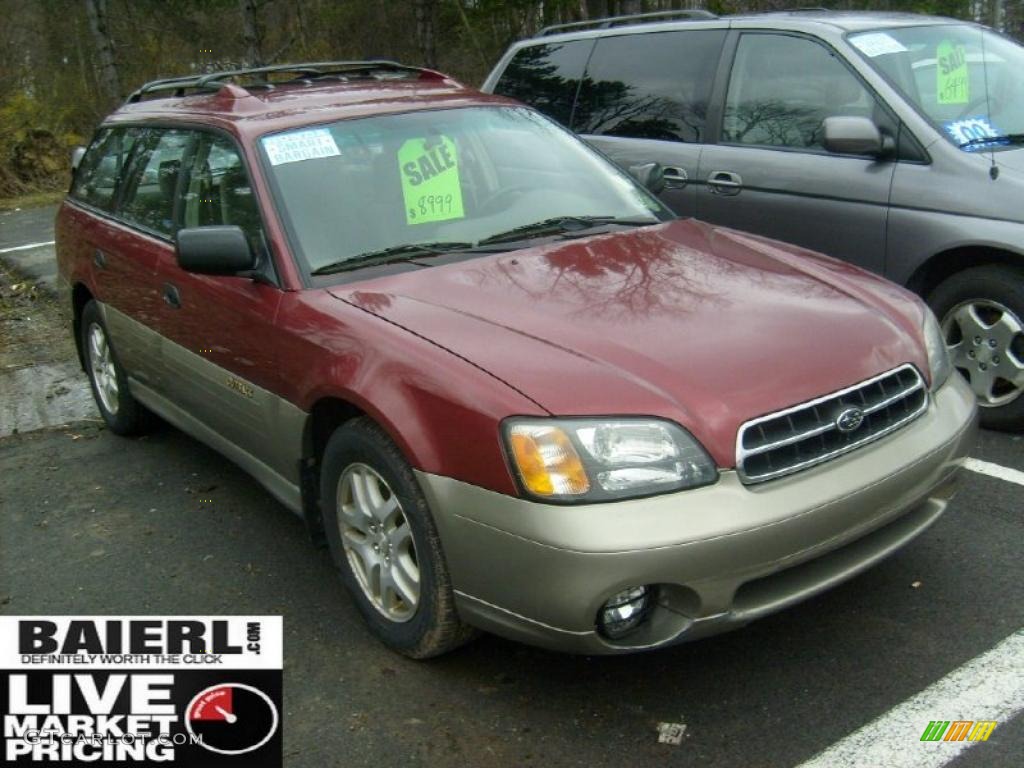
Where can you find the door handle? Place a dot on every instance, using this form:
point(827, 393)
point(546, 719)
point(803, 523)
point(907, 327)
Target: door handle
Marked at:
point(171, 295)
point(675, 177)
point(725, 183)
point(99, 258)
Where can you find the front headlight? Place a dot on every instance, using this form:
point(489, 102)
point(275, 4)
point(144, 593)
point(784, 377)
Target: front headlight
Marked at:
point(939, 366)
point(605, 459)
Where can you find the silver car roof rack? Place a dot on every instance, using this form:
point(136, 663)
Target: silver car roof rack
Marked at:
point(618, 21)
point(214, 81)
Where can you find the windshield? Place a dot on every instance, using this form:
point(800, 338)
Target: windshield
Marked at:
point(445, 178)
point(967, 80)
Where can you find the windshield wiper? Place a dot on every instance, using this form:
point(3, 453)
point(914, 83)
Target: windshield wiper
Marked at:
point(1008, 138)
point(392, 255)
point(412, 251)
point(560, 225)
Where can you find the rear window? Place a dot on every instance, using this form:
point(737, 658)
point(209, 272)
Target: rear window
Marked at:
point(650, 86)
point(547, 77)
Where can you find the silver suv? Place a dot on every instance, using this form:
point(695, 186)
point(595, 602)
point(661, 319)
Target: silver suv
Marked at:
point(892, 141)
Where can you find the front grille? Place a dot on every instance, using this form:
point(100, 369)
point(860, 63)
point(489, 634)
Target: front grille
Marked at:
point(807, 434)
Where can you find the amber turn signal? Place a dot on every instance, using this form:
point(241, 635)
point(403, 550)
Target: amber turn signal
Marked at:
point(547, 462)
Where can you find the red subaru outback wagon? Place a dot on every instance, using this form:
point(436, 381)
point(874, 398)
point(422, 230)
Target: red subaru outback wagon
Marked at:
point(510, 388)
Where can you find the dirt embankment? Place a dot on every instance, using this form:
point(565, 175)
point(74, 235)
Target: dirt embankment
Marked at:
point(38, 162)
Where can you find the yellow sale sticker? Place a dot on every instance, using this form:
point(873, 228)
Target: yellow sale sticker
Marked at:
point(953, 79)
point(431, 187)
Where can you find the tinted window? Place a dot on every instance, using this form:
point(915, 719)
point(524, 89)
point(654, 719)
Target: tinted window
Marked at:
point(153, 180)
point(218, 190)
point(546, 77)
point(783, 87)
point(97, 176)
point(653, 86)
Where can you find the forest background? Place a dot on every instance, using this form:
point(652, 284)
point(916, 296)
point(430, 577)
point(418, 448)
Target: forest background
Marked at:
point(64, 64)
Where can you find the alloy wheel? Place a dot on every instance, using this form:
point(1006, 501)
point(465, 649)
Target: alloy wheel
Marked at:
point(378, 542)
point(101, 365)
point(986, 343)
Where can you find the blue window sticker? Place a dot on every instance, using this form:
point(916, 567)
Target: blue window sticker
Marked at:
point(974, 129)
point(300, 145)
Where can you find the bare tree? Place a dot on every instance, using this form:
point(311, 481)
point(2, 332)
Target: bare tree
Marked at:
point(251, 32)
point(999, 14)
point(109, 79)
point(426, 17)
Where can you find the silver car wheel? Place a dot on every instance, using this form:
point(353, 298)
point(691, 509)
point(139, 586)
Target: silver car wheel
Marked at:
point(101, 368)
point(986, 343)
point(378, 542)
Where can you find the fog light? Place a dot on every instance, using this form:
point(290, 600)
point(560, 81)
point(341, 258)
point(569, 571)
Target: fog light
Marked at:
point(625, 611)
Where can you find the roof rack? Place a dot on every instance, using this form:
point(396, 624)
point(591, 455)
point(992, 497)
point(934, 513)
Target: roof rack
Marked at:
point(634, 18)
point(214, 81)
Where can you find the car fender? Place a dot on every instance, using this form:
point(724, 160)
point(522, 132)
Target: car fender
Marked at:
point(442, 411)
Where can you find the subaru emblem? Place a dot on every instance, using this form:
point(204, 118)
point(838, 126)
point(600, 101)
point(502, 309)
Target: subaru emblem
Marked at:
point(849, 420)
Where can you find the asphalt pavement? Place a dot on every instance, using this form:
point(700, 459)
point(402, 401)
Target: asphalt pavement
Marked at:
point(94, 523)
point(26, 242)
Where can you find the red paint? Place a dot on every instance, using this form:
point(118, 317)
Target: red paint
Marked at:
point(704, 326)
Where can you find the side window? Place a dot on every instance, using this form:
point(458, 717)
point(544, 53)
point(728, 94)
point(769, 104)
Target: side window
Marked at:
point(650, 86)
point(546, 77)
point(98, 174)
point(218, 190)
point(153, 180)
point(783, 87)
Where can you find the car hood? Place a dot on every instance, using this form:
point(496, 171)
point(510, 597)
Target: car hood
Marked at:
point(706, 326)
point(1008, 158)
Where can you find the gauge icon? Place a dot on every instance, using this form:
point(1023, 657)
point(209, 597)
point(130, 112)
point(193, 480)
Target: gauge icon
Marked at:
point(231, 718)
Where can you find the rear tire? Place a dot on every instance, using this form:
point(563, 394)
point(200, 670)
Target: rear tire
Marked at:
point(383, 540)
point(123, 414)
point(981, 311)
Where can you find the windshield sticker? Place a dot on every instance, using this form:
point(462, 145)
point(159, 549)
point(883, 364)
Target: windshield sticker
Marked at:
point(300, 145)
point(976, 130)
point(431, 187)
point(952, 79)
point(878, 44)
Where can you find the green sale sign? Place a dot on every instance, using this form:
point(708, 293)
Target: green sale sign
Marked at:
point(431, 188)
point(953, 79)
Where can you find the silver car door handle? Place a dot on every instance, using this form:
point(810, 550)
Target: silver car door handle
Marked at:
point(675, 177)
point(725, 183)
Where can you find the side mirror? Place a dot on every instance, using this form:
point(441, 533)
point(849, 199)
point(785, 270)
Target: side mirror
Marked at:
point(218, 250)
point(650, 175)
point(76, 158)
point(856, 136)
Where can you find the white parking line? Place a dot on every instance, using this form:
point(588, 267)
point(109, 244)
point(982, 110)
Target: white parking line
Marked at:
point(28, 247)
point(988, 687)
point(994, 470)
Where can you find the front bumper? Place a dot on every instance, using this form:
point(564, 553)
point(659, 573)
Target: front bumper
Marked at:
point(721, 556)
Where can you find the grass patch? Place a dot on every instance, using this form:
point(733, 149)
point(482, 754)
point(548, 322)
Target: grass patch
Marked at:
point(31, 200)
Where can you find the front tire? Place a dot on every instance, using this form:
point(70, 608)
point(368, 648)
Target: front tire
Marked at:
point(981, 311)
point(383, 540)
point(123, 414)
